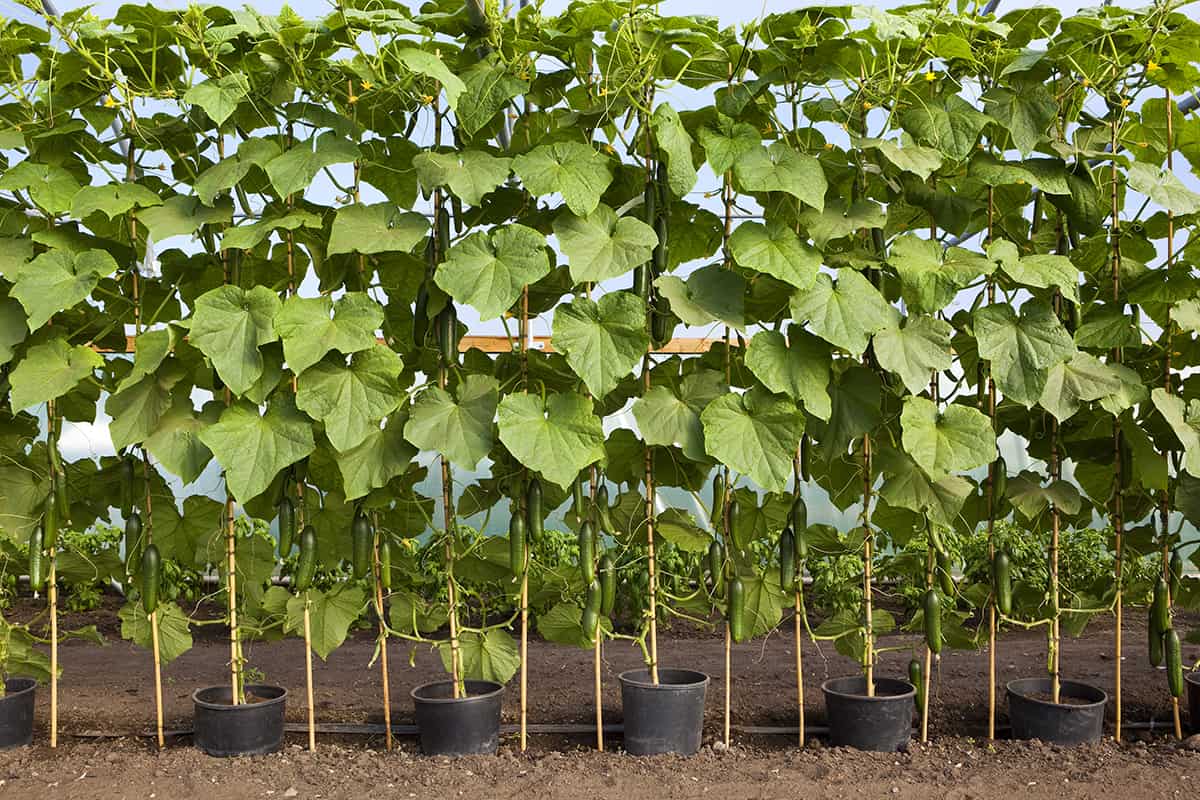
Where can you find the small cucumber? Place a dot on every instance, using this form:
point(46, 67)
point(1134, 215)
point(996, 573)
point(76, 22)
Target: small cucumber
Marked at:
point(151, 577)
point(591, 609)
point(1154, 641)
point(516, 544)
point(306, 564)
point(999, 480)
point(916, 676)
point(447, 333)
point(1174, 663)
point(127, 476)
point(577, 497)
point(362, 538)
point(385, 564)
point(737, 607)
point(36, 577)
point(1176, 569)
point(1161, 605)
point(603, 513)
point(133, 536)
point(660, 259)
point(735, 513)
point(661, 327)
point(443, 228)
point(50, 524)
point(608, 584)
point(421, 316)
point(587, 552)
point(641, 281)
point(286, 514)
point(805, 458)
point(933, 621)
point(1002, 582)
point(945, 570)
point(798, 516)
point(787, 560)
point(716, 565)
point(718, 501)
point(533, 510)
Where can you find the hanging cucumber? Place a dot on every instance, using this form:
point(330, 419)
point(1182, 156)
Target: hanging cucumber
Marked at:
point(592, 603)
point(533, 511)
point(385, 564)
point(35, 561)
point(641, 281)
point(999, 480)
point(805, 458)
point(608, 584)
point(933, 621)
point(361, 540)
point(787, 560)
point(661, 255)
point(1176, 569)
point(127, 477)
point(286, 515)
point(151, 577)
point(945, 570)
point(603, 515)
point(718, 501)
point(577, 497)
point(735, 513)
point(798, 516)
point(447, 333)
point(306, 564)
point(1002, 581)
point(1161, 605)
point(716, 565)
point(421, 316)
point(587, 552)
point(661, 327)
point(1154, 640)
point(133, 536)
point(516, 544)
point(443, 229)
point(50, 524)
point(1174, 663)
point(916, 676)
point(737, 608)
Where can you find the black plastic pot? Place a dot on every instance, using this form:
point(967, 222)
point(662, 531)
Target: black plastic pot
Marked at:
point(882, 722)
point(16, 712)
point(1193, 692)
point(667, 717)
point(1056, 723)
point(248, 729)
point(450, 726)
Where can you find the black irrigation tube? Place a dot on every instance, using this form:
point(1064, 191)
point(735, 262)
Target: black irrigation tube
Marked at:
point(548, 729)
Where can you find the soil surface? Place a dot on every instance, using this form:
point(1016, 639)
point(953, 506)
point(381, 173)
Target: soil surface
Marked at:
point(108, 691)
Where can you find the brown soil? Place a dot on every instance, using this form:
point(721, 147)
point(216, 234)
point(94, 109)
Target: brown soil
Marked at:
point(109, 690)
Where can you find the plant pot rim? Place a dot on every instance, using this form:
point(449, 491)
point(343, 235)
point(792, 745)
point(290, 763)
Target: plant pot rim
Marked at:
point(633, 677)
point(418, 697)
point(1065, 687)
point(29, 685)
point(1192, 677)
point(907, 694)
point(267, 701)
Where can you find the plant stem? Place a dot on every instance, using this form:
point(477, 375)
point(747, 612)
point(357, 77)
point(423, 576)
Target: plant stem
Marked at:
point(1118, 520)
point(991, 496)
point(1163, 498)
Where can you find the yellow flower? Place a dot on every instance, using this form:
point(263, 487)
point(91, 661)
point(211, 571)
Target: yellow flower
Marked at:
point(367, 86)
point(829, 145)
point(426, 99)
point(608, 148)
point(1143, 144)
point(353, 99)
point(1152, 66)
point(931, 76)
point(1085, 83)
point(867, 105)
point(109, 101)
point(1124, 102)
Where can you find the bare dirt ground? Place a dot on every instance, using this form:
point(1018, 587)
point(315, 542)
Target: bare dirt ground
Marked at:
point(110, 690)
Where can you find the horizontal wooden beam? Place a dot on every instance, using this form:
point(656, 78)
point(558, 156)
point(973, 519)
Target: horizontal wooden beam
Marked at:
point(502, 344)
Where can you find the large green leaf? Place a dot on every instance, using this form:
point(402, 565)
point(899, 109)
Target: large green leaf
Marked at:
point(1039, 271)
point(1184, 419)
point(602, 341)
point(756, 434)
point(779, 168)
point(563, 624)
point(351, 399)
point(137, 409)
point(845, 314)
point(58, 280)
point(377, 228)
point(381, 456)
point(671, 416)
point(762, 608)
point(459, 429)
point(50, 187)
point(727, 142)
point(797, 366)
point(557, 436)
point(953, 439)
point(921, 161)
point(432, 66)
point(228, 172)
point(175, 442)
point(488, 85)
point(1022, 348)
point(1070, 384)
point(571, 169)
point(675, 143)
point(775, 249)
point(1026, 112)
point(710, 294)
point(219, 97)
point(330, 615)
point(953, 128)
point(229, 325)
point(294, 170)
point(310, 327)
point(13, 329)
point(906, 485)
point(50, 370)
point(247, 237)
point(112, 199)
point(931, 277)
point(469, 174)
point(489, 655)
point(253, 449)
point(601, 246)
point(915, 351)
point(174, 629)
point(1163, 187)
point(487, 270)
point(183, 216)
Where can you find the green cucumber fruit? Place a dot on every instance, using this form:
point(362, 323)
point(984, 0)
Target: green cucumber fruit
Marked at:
point(385, 564)
point(716, 565)
point(787, 560)
point(516, 544)
point(151, 577)
point(587, 552)
point(591, 609)
point(306, 563)
point(533, 510)
point(933, 621)
point(945, 570)
point(362, 538)
point(916, 676)
point(1161, 605)
point(1174, 663)
point(737, 607)
point(133, 536)
point(608, 584)
point(35, 560)
point(1002, 581)
point(286, 514)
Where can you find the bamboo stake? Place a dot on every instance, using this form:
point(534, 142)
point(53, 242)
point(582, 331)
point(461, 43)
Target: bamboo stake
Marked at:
point(798, 621)
point(597, 642)
point(524, 333)
point(868, 542)
point(52, 596)
point(1164, 502)
point(652, 578)
point(158, 704)
point(1118, 521)
point(991, 498)
point(383, 646)
point(928, 655)
point(308, 677)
